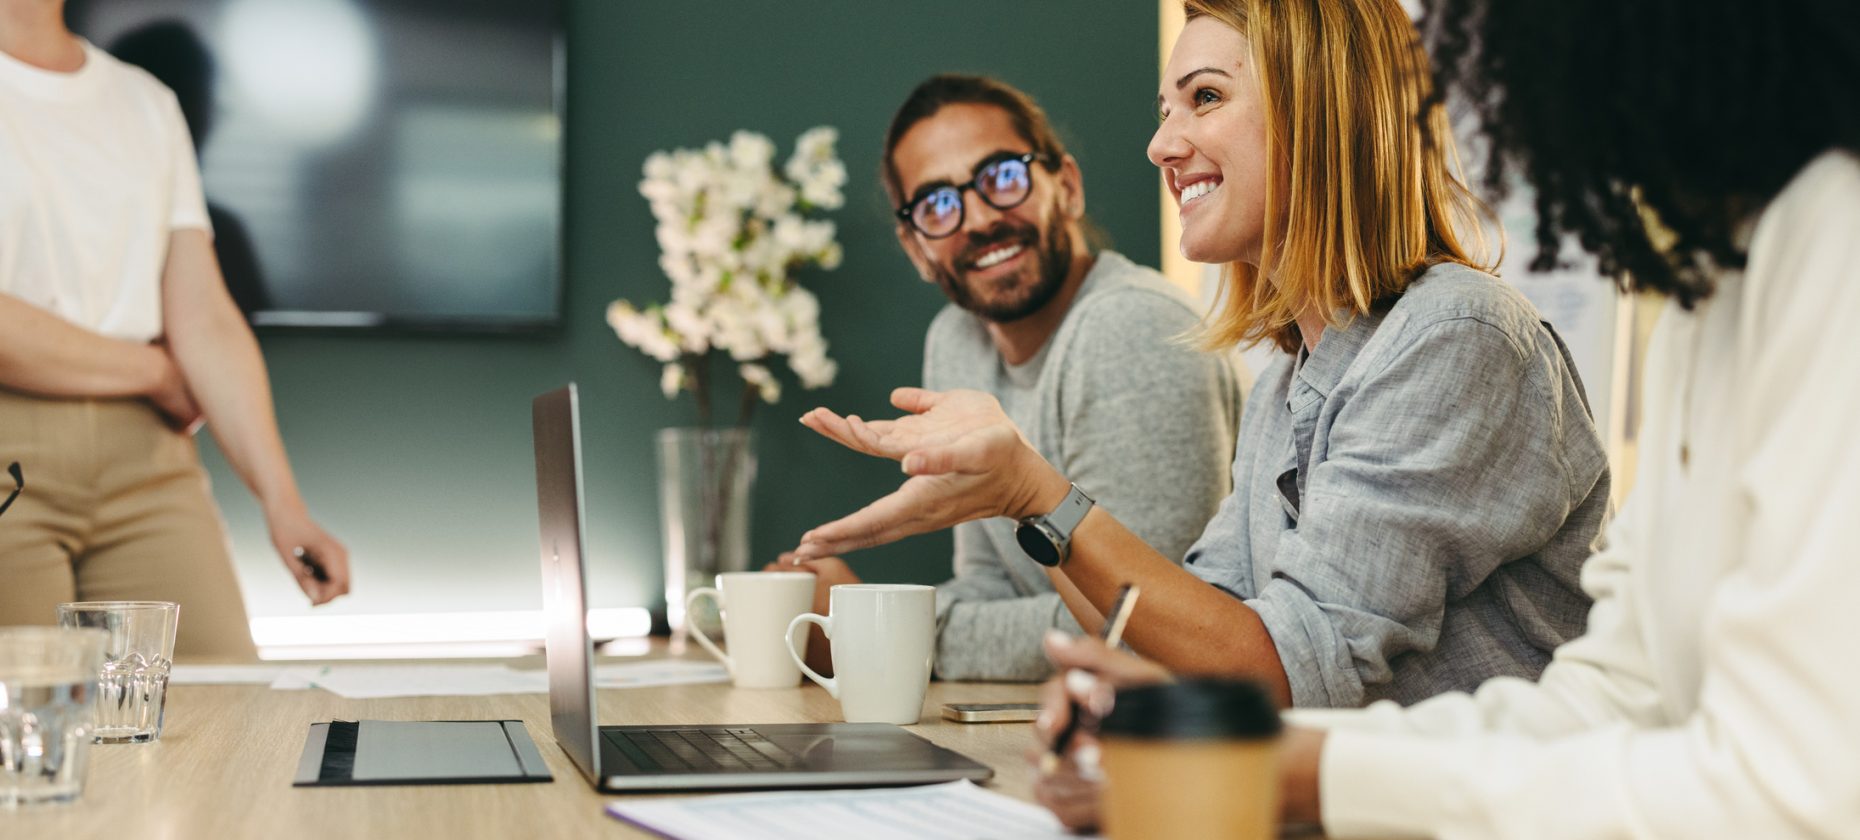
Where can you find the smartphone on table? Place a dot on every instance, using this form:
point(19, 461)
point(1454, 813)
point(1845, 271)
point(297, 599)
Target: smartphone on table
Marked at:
point(991, 712)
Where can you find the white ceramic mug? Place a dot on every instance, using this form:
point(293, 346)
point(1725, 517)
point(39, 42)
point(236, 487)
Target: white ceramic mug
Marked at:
point(756, 607)
point(883, 637)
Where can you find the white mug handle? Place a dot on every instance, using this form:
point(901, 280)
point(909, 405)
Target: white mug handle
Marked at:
point(831, 684)
point(698, 632)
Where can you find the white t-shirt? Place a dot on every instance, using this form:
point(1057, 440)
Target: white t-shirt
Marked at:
point(96, 170)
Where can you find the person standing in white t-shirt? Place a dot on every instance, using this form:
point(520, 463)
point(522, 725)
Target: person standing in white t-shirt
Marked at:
point(117, 339)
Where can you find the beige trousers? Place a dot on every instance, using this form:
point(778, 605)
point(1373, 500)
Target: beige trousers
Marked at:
point(116, 507)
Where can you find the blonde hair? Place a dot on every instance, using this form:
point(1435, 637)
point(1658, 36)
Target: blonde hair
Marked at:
point(1371, 201)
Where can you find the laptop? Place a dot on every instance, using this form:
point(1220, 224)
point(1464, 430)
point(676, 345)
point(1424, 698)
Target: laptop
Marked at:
point(710, 757)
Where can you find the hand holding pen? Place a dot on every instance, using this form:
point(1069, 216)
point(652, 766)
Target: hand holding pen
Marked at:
point(317, 571)
point(1090, 675)
point(318, 562)
point(1090, 670)
point(1079, 682)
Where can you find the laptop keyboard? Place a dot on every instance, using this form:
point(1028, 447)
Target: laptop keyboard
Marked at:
point(700, 750)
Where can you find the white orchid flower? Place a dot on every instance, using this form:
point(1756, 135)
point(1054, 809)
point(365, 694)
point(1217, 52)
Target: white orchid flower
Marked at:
point(672, 380)
point(751, 151)
point(730, 229)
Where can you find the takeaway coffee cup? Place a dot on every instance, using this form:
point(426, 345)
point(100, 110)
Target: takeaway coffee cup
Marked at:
point(1192, 759)
point(757, 608)
point(882, 638)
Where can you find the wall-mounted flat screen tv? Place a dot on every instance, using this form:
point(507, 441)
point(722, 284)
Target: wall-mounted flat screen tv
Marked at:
point(368, 163)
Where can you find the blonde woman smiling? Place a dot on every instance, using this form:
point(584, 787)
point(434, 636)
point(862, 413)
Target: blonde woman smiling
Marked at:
point(1415, 485)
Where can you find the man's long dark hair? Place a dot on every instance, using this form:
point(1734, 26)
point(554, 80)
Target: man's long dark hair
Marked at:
point(945, 89)
point(1691, 113)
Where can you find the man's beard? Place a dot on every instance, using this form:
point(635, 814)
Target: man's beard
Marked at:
point(1054, 256)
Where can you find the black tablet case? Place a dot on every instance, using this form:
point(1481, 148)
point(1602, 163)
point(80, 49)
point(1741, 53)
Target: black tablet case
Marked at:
point(393, 752)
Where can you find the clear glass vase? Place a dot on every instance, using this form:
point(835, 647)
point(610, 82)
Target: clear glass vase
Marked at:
point(705, 477)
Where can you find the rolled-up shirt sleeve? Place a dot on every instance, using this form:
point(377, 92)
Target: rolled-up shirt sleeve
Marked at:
point(1439, 468)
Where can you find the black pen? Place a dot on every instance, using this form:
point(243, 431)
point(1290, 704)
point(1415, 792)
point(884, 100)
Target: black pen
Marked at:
point(309, 560)
point(1112, 632)
point(19, 485)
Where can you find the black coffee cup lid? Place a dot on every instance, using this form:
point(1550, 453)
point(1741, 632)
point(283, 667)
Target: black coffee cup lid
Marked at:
point(1198, 709)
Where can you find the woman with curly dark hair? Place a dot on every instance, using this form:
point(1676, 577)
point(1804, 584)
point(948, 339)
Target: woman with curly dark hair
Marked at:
point(1709, 151)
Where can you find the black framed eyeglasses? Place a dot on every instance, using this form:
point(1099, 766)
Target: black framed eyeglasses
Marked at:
point(19, 485)
point(1003, 182)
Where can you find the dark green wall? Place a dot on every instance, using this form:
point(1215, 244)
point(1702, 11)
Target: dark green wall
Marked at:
point(416, 450)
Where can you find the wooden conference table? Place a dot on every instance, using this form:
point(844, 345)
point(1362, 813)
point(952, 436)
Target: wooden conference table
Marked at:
point(223, 766)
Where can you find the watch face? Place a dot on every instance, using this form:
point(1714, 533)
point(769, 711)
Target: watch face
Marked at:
point(1037, 544)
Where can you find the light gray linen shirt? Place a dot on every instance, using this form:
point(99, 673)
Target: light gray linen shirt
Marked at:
point(1414, 498)
point(1141, 422)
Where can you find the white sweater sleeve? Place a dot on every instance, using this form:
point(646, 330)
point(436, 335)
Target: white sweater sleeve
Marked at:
point(1769, 750)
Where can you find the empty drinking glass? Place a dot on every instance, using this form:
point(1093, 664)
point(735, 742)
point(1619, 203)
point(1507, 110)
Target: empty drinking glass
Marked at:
point(48, 681)
point(132, 686)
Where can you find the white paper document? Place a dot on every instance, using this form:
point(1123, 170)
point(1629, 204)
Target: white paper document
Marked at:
point(225, 674)
point(358, 682)
point(953, 811)
point(656, 672)
point(298, 678)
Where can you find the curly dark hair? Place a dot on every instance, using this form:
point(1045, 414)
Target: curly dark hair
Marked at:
point(1692, 112)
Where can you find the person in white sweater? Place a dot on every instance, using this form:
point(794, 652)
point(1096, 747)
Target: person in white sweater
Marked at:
point(1712, 694)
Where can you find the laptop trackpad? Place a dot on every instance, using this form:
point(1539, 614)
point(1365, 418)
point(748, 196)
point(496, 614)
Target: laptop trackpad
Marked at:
point(859, 746)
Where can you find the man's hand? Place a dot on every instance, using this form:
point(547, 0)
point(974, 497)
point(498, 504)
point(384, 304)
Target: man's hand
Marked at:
point(170, 395)
point(828, 573)
point(293, 529)
point(1089, 674)
point(967, 460)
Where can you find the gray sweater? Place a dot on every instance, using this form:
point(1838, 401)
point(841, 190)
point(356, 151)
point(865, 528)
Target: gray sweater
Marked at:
point(1116, 402)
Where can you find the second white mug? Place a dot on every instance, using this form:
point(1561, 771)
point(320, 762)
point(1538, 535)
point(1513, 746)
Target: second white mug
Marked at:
point(883, 638)
point(757, 608)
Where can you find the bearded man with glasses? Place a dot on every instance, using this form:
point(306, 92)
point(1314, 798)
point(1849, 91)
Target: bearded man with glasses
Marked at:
point(1080, 345)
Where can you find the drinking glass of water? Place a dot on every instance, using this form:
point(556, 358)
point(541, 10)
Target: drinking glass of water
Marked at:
point(132, 686)
point(48, 684)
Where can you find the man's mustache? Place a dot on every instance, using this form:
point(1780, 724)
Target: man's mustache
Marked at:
point(994, 237)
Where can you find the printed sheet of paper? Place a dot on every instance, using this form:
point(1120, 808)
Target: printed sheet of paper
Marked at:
point(953, 811)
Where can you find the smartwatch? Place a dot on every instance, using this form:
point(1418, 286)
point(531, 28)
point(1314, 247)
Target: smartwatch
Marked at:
point(1048, 539)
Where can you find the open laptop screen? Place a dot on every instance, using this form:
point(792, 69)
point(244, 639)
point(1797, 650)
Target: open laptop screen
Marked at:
point(566, 644)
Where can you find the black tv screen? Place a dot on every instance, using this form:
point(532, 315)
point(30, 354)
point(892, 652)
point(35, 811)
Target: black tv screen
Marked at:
point(367, 163)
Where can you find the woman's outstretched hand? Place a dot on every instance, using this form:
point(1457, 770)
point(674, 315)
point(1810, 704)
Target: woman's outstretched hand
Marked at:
point(965, 458)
